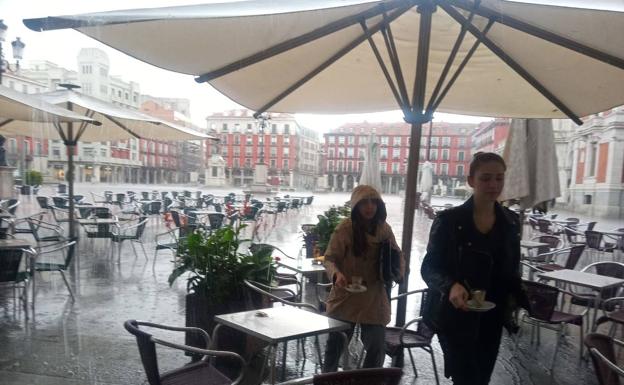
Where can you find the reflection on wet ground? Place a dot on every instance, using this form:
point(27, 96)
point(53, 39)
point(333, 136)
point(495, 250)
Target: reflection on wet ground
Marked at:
point(85, 343)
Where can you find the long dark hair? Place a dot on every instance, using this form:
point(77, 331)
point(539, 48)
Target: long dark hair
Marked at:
point(359, 226)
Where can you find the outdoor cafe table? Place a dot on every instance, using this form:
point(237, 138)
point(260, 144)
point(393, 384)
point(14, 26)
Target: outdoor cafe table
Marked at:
point(280, 324)
point(595, 282)
point(306, 268)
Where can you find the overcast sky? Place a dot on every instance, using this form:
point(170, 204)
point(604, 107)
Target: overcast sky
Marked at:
point(62, 47)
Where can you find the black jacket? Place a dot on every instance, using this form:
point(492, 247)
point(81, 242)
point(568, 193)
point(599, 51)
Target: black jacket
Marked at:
point(440, 268)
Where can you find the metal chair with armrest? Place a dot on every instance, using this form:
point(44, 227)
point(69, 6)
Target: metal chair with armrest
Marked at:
point(601, 349)
point(202, 372)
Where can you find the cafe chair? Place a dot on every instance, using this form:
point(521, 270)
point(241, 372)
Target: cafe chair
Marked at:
point(133, 233)
point(55, 258)
point(44, 231)
point(400, 338)
point(574, 254)
point(11, 274)
point(202, 372)
point(612, 312)
point(602, 352)
point(369, 376)
point(542, 313)
point(596, 244)
point(281, 277)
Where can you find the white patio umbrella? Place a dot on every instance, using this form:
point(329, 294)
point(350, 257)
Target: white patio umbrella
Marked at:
point(532, 174)
point(425, 185)
point(22, 113)
point(371, 175)
point(489, 57)
point(117, 123)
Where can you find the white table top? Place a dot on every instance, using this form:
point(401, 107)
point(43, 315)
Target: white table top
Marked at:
point(97, 221)
point(282, 323)
point(205, 212)
point(14, 243)
point(307, 267)
point(581, 278)
point(532, 244)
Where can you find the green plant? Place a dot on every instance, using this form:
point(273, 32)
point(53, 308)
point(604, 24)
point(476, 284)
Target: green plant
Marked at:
point(327, 223)
point(33, 178)
point(217, 268)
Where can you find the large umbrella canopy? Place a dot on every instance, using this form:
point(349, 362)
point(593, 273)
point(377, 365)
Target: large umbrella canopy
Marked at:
point(532, 174)
point(371, 175)
point(259, 49)
point(489, 57)
point(21, 113)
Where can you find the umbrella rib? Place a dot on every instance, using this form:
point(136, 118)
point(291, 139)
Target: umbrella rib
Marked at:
point(83, 125)
point(299, 40)
point(129, 131)
point(61, 133)
point(538, 32)
point(343, 51)
point(451, 59)
point(394, 58)
point(384, 68)
point(459, 69)
point(6, 122)
point(513, 64)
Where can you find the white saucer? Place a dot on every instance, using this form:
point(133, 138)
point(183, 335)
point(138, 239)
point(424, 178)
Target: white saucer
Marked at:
point(355, 288)
point(487, 305)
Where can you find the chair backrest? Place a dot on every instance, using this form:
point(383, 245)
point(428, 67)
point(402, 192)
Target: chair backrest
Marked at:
point(70, 251)
point(102, 212)
point(120, 198)
point(571, 234)
point(604, 345)
point(574, 256)
point(175, 215)
point(141, 227)
point(422, 329)
point(10, 260)
point(281, 206)
point(60, 202)
point(590, 225)
point(216, 220)
point(543, 226)
point(607, 269)
point(573, 221)
point(552, 241)
point(147, 351)
point(542, 299)
point(593, 239)
point(144, 195)
point(369, 376)
point(43, 202)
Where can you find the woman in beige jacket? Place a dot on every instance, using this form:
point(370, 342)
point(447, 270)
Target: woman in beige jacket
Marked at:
point(353, 251)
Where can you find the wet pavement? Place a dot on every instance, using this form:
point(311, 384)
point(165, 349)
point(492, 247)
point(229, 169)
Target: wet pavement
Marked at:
point(85, 343)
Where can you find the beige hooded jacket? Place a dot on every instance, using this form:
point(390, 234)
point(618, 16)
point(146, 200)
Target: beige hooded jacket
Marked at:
point(371, 306)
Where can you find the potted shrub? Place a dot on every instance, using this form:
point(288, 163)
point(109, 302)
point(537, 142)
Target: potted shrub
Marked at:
point(216, 270)
point(31, 178)
point(326, 225)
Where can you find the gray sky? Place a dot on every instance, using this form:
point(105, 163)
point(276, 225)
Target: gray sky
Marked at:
point(62, 47)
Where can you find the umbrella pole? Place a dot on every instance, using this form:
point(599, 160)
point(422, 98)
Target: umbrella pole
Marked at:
point(416, 119)
point(70, 145)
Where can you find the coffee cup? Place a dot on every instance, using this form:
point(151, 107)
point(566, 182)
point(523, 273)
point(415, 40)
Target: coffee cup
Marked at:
point(478, 297)
point(356, 280)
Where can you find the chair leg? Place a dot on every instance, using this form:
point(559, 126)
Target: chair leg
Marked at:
point(71, 293)
point(581, 342)
point(143, 248)
point(409, 351)
point(136, 255)
point(435, 368)
point(559, 337)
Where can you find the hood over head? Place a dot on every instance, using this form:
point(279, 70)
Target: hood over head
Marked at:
point(362, 192)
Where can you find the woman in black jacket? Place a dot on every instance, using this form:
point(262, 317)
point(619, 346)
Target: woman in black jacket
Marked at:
point(475, 246)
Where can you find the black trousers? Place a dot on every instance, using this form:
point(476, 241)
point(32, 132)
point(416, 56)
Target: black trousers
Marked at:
point(373, 338)
point(471, 361)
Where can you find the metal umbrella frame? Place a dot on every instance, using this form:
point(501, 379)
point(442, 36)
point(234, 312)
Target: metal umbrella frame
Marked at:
point(114, 123)
point(377, 17)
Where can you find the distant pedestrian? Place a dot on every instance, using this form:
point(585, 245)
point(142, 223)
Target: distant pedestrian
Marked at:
point(472, 263)
point(358, 295)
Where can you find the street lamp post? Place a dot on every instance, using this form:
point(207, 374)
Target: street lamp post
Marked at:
point(18, 50)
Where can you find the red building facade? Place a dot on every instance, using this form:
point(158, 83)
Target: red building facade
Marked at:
point(447, 146)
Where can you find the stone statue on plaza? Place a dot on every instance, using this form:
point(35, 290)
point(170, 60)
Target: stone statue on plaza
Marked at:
point(3, 161)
